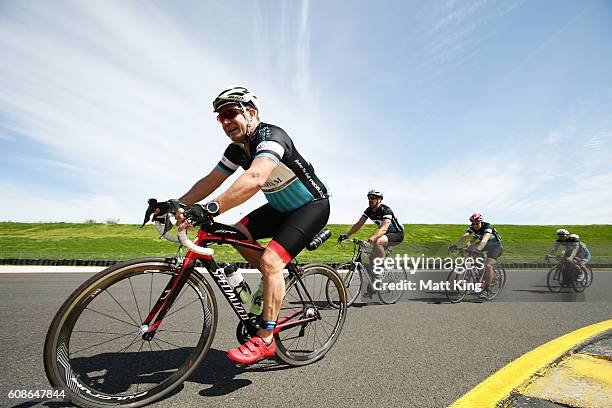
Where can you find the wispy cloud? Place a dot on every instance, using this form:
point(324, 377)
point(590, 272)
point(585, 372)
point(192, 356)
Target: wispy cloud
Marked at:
point(303, 52)
point(116, 97)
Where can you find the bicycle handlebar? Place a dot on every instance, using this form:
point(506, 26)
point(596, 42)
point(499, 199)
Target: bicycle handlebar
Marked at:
point(464, 251)
point(183, 239)
point(559, 258)
point(359, 242)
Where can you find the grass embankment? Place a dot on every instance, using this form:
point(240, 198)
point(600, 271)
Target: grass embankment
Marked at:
point(101, 241)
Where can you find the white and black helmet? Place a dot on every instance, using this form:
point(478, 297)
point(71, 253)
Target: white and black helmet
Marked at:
point(562, 232)
point(575, 236)
point(236, 95)
point(376, 193)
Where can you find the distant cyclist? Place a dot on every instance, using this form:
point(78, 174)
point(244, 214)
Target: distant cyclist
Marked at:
point(575, 251)
point(485, 239)
point(389, 232)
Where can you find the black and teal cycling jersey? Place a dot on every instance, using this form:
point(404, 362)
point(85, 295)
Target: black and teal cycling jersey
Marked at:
point(382, 213)
point(293, 181)
point(485, 228)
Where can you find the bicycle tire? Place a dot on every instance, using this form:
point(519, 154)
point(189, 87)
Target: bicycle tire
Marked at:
point(314, 279)
point(554, 275)
point(500, 277)
point(353, 283)
point(388, 296)
point(588, 275)
point(456, 293)
point(579, 286)
point(93, 381)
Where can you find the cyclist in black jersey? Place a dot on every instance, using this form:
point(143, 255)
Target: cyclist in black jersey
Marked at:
point(486, 239)
point(575, 251)
point(390, 231)
point(297, 208)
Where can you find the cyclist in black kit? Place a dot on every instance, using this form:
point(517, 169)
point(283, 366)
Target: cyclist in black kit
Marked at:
point(485, 238)
point(390, 231)
point(297, 208)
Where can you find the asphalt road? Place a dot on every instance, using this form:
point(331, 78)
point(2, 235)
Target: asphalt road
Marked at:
point(421, 352)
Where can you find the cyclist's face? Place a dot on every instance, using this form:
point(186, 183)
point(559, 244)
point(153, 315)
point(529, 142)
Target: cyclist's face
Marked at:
point(234, 123)
point(477, 225)
point(564, 237)
point(373, 201)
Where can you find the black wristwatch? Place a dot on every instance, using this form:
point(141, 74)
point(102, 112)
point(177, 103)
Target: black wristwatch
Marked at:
point(213, 208)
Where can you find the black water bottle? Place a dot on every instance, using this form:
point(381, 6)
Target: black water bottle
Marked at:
point(320, 238)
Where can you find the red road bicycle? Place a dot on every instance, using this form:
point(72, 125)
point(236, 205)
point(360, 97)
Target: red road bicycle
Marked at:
point(132, 333)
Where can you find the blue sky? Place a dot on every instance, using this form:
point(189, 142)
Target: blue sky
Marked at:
point(449, 107)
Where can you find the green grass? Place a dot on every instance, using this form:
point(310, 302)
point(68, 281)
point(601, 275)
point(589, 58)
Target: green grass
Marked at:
point(522, 243)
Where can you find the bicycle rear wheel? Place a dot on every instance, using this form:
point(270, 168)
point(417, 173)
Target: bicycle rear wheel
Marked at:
point(553, 279)
point(499, 273)
point(95, 350)
point(353, 282)
point(308, 323)
point(579, 286)
point(588, 275)
point(392, 279)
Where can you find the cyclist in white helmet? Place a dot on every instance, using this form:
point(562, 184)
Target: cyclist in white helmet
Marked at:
point(575, 251)
point(297, 208)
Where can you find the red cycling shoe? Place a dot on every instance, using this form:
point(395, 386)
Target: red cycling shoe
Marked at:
point(253, 350)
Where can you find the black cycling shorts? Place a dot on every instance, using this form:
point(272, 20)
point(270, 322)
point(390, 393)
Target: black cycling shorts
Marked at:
point(292, 230)
point(395, 237)
point(493, 251)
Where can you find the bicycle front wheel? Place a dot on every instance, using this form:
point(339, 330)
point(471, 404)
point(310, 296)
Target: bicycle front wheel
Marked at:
point(353, 282)
point(309, 325)
point(95, 349)
point(457, 288)
point(553, 279)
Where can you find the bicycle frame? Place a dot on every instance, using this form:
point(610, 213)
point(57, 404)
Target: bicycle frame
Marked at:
point(563, 266)
point(176, 283)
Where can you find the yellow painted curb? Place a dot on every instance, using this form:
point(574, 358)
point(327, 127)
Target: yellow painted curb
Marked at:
point(500, 385)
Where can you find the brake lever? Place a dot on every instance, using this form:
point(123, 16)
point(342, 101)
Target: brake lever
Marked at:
point(150, 210)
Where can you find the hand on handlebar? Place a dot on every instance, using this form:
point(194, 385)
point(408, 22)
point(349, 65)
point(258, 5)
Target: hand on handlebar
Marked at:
point(195, 215)
point(342, 237)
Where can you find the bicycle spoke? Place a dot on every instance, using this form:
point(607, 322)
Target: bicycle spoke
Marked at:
point(122, 308)
point(157, 344)
point(177, 331)
point(98, 332)
point(134, 295)
point(150, 292)
point(167, 342)
point(123, 350)
point(139, 365)
point(99, 344)
point(170, 314)
point(111, 317)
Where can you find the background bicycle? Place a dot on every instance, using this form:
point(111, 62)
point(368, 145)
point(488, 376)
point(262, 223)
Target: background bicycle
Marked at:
point(564, 274)
point(469, 280)
point(134, 332)
point(358, 279)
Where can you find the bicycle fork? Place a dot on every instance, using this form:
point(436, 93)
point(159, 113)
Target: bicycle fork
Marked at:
point(151, 323)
